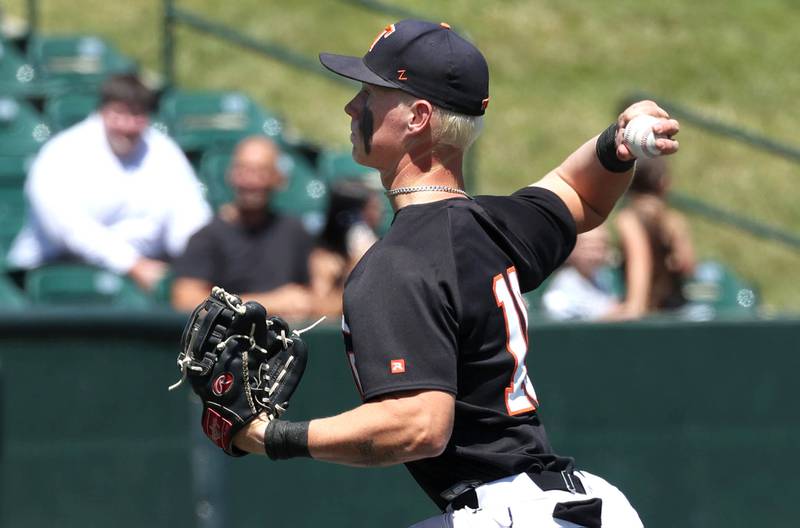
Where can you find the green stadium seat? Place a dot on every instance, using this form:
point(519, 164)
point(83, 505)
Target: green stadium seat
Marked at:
point(13, 170)
point(11, 296)
point(339, 164)
point(211, 172)
point(12, 217)
point(199, 120)
point(713, 291)
point(63, 111)
point(77, 284)
point(162, 292)
point(716, 291)
point(22, 129)
point(336, 165)
point(612, 278)
point(76, 62)
point(18, 77)
point(305, 194)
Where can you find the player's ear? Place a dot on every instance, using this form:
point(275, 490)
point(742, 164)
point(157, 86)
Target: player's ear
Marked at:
point(421, 114)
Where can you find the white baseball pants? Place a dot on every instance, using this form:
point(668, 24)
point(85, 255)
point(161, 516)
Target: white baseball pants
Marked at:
point(516, 502)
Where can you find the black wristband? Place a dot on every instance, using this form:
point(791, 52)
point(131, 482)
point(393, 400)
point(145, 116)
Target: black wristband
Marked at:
point(606, 149)
point(284, 439)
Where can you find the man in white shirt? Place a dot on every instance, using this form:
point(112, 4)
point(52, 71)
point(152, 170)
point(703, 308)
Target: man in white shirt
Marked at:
point(112, 192)
point(577, 291)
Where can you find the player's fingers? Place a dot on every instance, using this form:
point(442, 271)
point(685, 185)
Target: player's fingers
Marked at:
point(667, 127)
point(667, 146)
point(623, 153)
point(645, 107)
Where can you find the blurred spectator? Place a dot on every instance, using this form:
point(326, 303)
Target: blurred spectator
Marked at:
point(581, 288)
point(112, 192)
point(354, 213)
point(656, 244)
point(248, 249)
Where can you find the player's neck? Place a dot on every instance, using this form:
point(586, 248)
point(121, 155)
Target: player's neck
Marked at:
point(438, 169)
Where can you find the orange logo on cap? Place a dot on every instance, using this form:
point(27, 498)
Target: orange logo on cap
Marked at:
point(388, 30)
point(484, 103)
point(401, 75)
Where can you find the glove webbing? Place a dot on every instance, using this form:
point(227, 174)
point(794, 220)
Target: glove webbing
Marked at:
point(185, 363)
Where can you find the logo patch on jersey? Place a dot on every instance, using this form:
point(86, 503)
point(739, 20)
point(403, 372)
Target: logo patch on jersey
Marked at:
point(397, 366)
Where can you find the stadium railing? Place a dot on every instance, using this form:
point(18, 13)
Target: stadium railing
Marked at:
point(201, 119)
point(706, 209)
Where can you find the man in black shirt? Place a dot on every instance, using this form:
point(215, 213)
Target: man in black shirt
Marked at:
point(434, 322)
point(247, 248)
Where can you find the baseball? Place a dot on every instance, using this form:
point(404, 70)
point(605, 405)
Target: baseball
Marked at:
point(640, 138)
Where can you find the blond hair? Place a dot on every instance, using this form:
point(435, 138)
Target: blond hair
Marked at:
point(456, 130)
point(451, 128)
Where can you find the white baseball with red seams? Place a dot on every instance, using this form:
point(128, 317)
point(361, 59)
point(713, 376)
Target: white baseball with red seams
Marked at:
point(640, 138)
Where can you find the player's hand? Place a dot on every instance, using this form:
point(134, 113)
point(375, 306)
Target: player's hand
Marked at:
point(666, 126)
point(250, 438)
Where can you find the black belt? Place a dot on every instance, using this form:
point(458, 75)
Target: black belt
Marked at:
point(546, 480)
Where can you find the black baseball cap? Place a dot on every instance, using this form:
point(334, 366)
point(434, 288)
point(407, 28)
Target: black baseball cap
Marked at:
point(427, 60)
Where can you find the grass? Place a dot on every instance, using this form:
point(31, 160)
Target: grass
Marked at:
point(559, 70)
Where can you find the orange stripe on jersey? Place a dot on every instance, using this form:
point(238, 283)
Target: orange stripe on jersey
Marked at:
point(505, 294)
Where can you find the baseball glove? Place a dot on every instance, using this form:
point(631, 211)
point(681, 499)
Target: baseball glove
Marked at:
point(240, 363)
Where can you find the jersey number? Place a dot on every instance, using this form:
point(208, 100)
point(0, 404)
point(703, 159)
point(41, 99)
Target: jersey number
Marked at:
point(520, 396)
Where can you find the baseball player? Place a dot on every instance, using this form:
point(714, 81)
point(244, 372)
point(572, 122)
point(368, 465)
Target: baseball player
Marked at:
point(434, 321)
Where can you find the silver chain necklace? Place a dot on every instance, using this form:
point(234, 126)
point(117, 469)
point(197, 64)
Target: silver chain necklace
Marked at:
point(423, 188)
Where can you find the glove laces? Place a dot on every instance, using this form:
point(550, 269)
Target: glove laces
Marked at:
point(185, 361)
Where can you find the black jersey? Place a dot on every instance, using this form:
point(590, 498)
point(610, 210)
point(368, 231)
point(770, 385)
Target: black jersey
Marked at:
point(436, 304)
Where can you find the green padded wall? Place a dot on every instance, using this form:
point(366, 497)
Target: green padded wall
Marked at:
point(696, 423)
